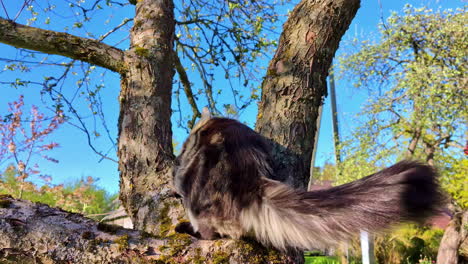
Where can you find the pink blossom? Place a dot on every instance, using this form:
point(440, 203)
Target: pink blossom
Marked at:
point(21, 166)
point(12, 147)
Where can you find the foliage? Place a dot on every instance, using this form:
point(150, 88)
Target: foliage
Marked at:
point(82, 196)
point(455, 182)
point(419, 111)
point(22, 140)
point(20, 145)
point(325, 173)
point(407, 245)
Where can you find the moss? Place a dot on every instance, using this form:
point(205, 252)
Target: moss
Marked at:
point(138, 23)
point(147, 235)
point(164, 220)
point(142, 52)
point(108, 228)
point(165, 259)
point(197, 259)
point(181, 220)
point(121, 67)
point(178, 243)
point(271, 72)
point(256, 253)
point(259, 115)
point(163, 248)
point(252, 252)
point(122, 242)
point(274, 256)
point(220, 257)
point(218, 243)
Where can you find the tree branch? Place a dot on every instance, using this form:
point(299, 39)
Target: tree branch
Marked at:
point(64, 44)
point(124, 22)
point(34, 232)
point(187, 89)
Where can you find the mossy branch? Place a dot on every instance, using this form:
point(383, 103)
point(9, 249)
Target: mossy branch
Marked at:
point(33, 232)
point(59, 43)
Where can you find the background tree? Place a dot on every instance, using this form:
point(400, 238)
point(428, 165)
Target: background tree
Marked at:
point(419, 67)
point(161, 32)
point(419, 111)
point(82, 197)
point(23, 139)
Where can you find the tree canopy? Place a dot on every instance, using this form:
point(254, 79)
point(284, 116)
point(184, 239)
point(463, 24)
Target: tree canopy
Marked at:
point(415, 71)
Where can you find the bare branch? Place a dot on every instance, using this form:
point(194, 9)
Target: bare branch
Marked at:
point(413, 142)
point(192, 21)
point(187, 89)
point(64, 44)
point(56, 95)
point(124, 22)
point(204, 76)
point(4, 9)
point(26, 3)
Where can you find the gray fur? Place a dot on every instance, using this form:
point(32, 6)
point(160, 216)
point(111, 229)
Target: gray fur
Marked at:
point(223, 176)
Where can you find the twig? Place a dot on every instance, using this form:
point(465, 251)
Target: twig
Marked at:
point(187, 89)
point(124, 22)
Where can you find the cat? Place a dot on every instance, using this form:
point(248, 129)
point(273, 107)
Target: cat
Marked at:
point(223, 176)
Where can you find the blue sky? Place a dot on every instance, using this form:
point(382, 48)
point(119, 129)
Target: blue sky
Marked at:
point(76, 158)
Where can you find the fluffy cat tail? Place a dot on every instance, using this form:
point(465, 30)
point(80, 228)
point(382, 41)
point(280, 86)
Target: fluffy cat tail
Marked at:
point(284, 217)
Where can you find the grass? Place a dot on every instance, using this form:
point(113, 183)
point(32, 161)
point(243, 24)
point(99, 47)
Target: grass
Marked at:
point(325, 260)
point(321, 260)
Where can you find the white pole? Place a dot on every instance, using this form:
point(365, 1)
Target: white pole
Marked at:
point(367, 248)
point(314, 151)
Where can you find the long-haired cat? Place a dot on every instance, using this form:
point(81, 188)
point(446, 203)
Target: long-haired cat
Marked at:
point(223, 174)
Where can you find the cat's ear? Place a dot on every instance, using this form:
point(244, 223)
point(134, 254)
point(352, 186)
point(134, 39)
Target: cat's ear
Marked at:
point(205, 113)
point(205, 117)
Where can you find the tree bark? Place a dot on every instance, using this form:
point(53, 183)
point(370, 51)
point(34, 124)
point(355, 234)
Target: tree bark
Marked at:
point(145, 136)
point(455, 234)
point(64, 44)
point(413, 143)
point(296, 83)
point(35, 233)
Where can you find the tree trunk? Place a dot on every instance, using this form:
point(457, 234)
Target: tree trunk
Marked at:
point(296, 83)
point(145, 136)
point(413, 143)
point(455, 234)
point(429, 149)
